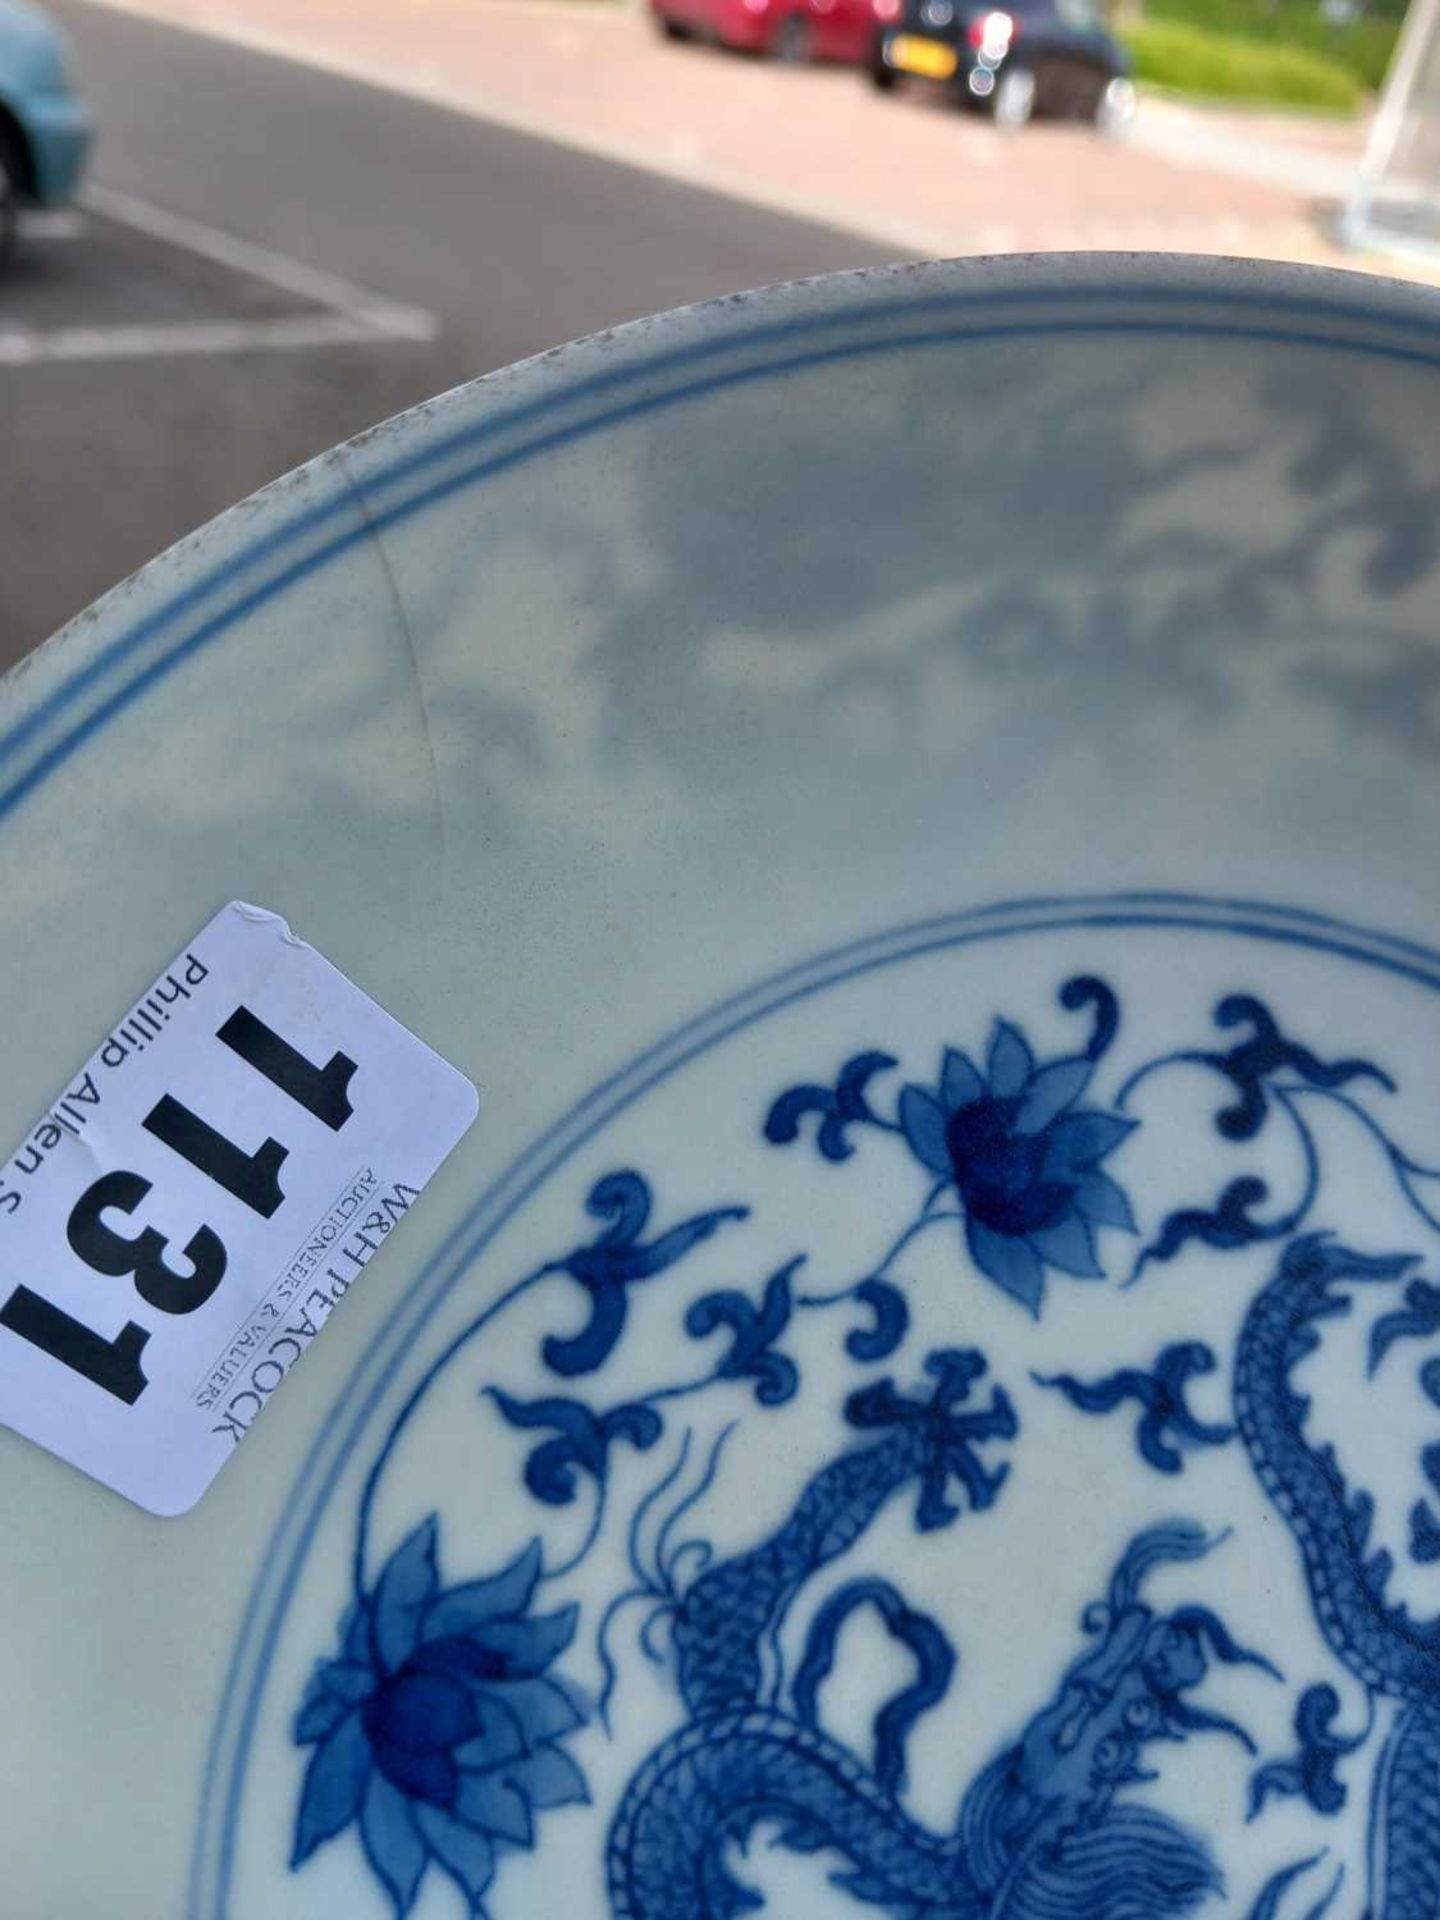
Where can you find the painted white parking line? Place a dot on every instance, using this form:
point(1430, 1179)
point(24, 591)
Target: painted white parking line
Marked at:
point(365, 309)
point(27, 347)
point(62, 225)
point(349, 315)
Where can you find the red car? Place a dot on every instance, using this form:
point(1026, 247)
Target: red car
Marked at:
point(790, 30)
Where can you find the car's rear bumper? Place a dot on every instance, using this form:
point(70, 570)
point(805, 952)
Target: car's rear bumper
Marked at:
point(60, 131)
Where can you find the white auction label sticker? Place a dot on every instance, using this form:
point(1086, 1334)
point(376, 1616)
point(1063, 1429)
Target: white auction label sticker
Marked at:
point(176, 1229)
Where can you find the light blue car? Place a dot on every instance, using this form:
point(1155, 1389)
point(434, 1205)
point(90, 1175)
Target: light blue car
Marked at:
point(44, 127)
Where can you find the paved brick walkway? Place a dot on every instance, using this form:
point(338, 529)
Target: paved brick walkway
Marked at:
point(912, 172)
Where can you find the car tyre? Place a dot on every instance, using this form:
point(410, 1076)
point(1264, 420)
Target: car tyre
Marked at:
point(1013, 101)
point(791, 44)
point(882, 78)
point(1115, 111)
point(672, 29)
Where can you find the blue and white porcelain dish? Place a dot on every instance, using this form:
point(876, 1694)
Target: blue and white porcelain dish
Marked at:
point(914, 797)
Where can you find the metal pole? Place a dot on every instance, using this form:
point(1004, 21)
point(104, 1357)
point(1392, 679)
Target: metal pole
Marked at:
point(1389, 121)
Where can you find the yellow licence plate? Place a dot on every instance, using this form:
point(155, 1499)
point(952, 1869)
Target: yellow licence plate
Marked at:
point(928, 57)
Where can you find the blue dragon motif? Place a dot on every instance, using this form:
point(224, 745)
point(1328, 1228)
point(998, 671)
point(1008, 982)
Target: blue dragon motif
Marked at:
point(1046, 1822)
point(1391, 1655)
point(1045, 1826)
point(441, 1728)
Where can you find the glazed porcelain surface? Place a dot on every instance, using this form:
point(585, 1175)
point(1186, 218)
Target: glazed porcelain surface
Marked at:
point(914, 799)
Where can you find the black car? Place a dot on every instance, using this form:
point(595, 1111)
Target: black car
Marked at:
point(1030, 56)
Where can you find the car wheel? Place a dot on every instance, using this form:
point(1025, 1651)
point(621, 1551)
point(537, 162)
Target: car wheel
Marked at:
point(791, 42)
point(1013, 101)
point(1115, 112)
point(9, 201)
point(672, 29)
point(882, 78)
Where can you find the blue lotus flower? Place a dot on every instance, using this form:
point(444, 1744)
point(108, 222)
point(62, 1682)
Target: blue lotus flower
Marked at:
point(1024, 1160)
point(438, 1728)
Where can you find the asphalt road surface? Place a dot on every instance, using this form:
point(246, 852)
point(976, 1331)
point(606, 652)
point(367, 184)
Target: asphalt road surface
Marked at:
point(274, 259)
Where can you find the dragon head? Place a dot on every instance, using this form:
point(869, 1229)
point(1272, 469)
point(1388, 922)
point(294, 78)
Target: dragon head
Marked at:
point(1128, 1690)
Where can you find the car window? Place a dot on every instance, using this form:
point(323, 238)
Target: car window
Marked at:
point(1081, 16)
